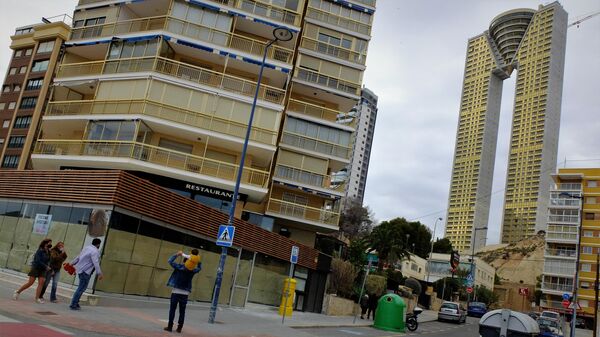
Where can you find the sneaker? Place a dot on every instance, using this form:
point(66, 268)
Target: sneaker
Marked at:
point(54, 301)
point(75, 308)
point(15, 295)
point(40, 301)
point(179, 329)
point(169, 329)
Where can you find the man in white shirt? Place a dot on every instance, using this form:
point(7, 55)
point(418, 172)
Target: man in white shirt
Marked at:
point(86, 263)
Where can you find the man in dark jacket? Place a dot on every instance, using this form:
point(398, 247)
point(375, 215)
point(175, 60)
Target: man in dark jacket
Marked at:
point(181, 282)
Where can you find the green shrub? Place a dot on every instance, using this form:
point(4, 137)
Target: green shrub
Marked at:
point(343, 274)
point(376, 284)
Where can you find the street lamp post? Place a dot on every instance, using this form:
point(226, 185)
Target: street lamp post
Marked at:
point(431, 251)
point(473, 258)
point(576, 281)
point(279, 34)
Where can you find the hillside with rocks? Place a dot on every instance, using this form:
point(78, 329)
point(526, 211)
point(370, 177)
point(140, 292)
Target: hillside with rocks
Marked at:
point(521, 262)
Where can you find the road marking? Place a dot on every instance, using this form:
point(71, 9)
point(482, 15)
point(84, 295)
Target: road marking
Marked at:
point(57, 329)
point(4, 319)
point(350, 332)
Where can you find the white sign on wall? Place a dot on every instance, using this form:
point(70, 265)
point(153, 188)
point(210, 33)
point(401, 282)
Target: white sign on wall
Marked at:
point(41, 225)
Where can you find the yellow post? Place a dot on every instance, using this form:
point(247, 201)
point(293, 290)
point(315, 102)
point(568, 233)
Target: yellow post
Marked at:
point(287, 300)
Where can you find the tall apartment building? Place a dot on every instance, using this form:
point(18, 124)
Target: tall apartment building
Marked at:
point(163, 89)
point(575, 194)
point(532, 42)
point(364, 115)
point(36, 51)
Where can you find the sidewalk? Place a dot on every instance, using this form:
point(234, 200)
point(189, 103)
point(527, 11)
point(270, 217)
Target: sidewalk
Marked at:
point(145, 317)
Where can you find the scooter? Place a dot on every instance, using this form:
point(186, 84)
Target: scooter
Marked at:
point(411, 319)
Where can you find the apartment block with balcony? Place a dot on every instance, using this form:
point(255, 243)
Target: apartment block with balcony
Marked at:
point(35, 53)
point(164, 88)
point(575, 194)
point(306, 195)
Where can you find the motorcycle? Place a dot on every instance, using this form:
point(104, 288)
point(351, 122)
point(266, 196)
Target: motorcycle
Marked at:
point(411, 319)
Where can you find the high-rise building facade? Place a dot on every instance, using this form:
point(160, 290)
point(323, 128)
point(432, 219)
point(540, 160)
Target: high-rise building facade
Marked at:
point(364, 116)
point(36, 51)
point(163, 89)
point(532, 42)
point(573, 202)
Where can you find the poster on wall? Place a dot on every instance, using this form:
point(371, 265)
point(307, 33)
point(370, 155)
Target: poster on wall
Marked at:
point(98, 222)
point(41, 225)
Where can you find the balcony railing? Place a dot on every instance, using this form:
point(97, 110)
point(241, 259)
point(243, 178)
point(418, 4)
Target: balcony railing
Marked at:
point(313, 110)
point(176, 69)
point(154, 155)
point(339, 21)
point(303, 212)
point(185, 28)
point(565, 202)
point(163, 111)
point(366, 2)
point(561, 252)
point(563, 270)
point(330, 82)
point(309, 178)
point(315, 145)
point(557, 286)
point(335, 51)
point(266, 10)
point(572, 237)
point(572, 219)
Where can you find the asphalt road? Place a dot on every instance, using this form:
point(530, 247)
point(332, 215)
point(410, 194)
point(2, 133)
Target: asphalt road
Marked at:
point(429, 329)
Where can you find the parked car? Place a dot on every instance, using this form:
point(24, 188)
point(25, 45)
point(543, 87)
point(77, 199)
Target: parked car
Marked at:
point(452, 311)
point(476, 309)
point(550, 314)
point(580, 323)
point(550, 327)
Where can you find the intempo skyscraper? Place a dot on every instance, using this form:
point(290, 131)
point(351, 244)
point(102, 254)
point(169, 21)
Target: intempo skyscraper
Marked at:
point(532, 44)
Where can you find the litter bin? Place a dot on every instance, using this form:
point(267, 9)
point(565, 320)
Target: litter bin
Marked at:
point(390, 313)
point(504, 322)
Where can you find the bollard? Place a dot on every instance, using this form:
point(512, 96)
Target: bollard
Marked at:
point(287, 298)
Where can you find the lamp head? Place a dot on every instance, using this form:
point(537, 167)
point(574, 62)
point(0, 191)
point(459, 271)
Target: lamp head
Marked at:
point(282, 34)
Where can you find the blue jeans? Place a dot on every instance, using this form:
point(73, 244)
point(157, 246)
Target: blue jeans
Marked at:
point(181, 300)
point(84, 280)
point(54, 276)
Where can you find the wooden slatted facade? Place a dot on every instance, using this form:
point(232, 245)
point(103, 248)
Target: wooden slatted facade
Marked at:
point(121, 189)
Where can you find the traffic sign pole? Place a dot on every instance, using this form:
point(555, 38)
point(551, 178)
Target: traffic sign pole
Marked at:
point(293, 260)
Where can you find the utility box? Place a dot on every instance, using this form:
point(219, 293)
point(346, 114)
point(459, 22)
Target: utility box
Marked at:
point(287, 298)
point(390, 314)
point(507, 323)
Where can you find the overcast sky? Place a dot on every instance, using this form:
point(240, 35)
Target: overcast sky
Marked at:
point(415, 66)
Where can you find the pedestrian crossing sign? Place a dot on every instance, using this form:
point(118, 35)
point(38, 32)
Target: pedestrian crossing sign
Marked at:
point(225, 236)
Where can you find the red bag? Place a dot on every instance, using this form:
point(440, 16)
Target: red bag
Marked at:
point(69, 268)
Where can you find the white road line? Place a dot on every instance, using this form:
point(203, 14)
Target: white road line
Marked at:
point(4, 319)
point(57, 329)
point(350, 332)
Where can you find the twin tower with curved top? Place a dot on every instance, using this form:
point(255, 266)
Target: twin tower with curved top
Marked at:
point(532, 43)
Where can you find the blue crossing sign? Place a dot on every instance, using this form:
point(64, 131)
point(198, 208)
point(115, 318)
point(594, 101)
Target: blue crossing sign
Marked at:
point(225, 236)
point(294, 254)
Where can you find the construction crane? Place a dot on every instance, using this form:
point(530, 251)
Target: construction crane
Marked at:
point(583, 19)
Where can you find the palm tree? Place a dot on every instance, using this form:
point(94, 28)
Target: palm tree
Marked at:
point(389, 243)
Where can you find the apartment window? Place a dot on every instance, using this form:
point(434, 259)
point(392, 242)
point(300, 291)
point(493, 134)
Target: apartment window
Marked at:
point(34, 84)
point(6, 88)
point(1, 142)
point(120, 49)
point(177, 146)
point(2, 106)
point(591, 200)
point(23, 70)
point(12, 71)
point(586, 267)
point(16, 142)
point(586, 250)
point(6, 123)
point(12, 105)
point(592, 183)
point(19, 53)
point(45, 47)
point(40, 65)
point(22, 122)
point(89, 22)
point(584, 285)
point(112, 130)
point(28, 102)
point(10, 161)
point(588, 234)
point(24, 31)
point(17, 88)
point(28, 51)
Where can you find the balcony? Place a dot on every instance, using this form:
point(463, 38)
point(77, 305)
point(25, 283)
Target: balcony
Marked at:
point(315, 145)
point(557, 287)
point(301, 213)
point(315, 111)
point(564, 253)
point(327, 81)
point(266, 10)
point(188, 29)
point(311, 179)
point(366, 2)
point(335, 51)
point(564, 269)
point(154, 155)
point(561, 237)
point(162, 111)
point(338, 21)
point(567, 219)
point(175, 69)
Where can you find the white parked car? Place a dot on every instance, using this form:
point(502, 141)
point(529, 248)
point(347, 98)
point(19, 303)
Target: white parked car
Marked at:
point(452, 311)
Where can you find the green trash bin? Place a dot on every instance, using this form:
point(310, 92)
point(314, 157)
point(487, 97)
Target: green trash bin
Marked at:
point(390, 313)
